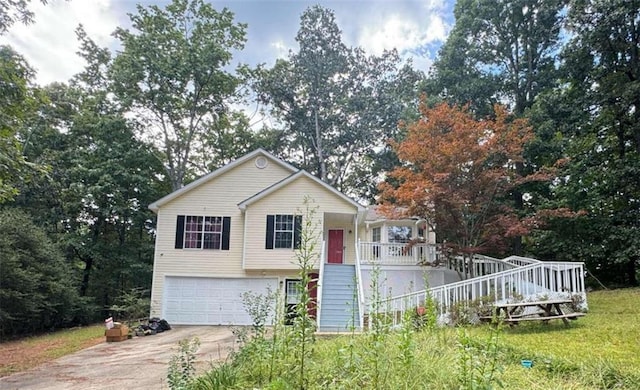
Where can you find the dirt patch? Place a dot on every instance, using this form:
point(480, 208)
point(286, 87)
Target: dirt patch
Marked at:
point(21, 355)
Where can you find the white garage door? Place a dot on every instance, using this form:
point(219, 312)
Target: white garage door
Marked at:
point(209, 301)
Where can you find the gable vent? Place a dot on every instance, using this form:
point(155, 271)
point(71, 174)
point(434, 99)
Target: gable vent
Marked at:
point(261, 162)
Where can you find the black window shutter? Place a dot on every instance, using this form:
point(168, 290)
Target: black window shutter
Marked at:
point(180, 232)
point(297, 232)
point(270, 228)
point(226, 229)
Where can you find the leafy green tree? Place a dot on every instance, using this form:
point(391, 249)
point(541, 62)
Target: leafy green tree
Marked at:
point(111, 180)
point(171, 73)
point(18, 101)
point(505, 51)
point(93, 199)
point(37, 290)
point(337, 106)
point(233, 138)
point(595, 213)
point(12, 11)
point(499, 51)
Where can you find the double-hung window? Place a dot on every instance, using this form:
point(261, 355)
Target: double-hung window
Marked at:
point(283, 231)
point(212, 233)
point(193, 232)
point(293, 291)
point(202, 232)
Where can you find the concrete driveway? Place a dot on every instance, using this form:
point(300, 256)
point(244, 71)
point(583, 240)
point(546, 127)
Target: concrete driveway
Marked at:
point(139, 363)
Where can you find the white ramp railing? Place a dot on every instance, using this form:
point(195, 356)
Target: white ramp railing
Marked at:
point(484, 265)
point(551, 279)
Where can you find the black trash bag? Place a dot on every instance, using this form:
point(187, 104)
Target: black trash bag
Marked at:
point(154, 325)
point(164, 325)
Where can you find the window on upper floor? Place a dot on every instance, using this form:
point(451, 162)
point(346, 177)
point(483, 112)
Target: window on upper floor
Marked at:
point(202, 232)
point(283, 231)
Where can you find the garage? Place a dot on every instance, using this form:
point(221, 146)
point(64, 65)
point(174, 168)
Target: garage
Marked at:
point(210, 301)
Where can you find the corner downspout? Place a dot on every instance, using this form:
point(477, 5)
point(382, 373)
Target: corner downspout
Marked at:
point(359, 276)
point(244, 241)
point(319, 285)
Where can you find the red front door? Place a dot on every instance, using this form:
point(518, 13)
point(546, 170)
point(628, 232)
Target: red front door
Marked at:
point(336, 246)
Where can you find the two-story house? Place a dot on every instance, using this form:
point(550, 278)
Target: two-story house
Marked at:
point(237, 229)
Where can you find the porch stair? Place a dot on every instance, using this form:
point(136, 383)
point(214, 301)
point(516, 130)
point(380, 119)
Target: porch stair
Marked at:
point(339, 310)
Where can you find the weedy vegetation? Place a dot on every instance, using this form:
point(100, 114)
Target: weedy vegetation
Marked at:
point(599, 351)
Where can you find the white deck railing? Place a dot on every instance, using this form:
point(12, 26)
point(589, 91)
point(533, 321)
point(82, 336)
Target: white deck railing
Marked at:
point(538, 278)
point(396, 254)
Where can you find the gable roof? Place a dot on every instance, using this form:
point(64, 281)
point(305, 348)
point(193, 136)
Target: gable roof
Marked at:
point(282, 183)
point(375, 215)
point(208, 177)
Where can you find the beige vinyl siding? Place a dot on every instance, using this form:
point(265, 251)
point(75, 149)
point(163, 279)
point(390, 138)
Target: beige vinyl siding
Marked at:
point(218, 197)
point(364, 233)
point(287, 200)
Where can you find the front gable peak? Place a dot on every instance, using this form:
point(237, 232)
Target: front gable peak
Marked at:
point(261, 158)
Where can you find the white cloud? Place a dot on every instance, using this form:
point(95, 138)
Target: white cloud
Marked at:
point(50, 44)
point(435, 4)
point(437, 29)
point(415, 29)
point(399, 32)
point(280, 47)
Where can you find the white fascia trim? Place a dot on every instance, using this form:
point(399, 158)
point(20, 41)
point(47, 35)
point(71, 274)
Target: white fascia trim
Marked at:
point(243, 205)
point(204, 179)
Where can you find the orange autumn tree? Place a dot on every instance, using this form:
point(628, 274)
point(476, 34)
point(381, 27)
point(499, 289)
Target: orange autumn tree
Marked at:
point(457, 173)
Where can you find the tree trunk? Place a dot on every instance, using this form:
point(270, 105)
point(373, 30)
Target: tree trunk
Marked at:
point(319, 152)
point(86, 273)
point(632, 272)
point(518, 204)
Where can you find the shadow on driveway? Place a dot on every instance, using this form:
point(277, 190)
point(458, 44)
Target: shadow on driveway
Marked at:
point(138, 363)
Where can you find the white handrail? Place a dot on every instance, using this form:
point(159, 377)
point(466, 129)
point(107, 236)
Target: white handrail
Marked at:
point(537, 278)
point(520, 261)
point(360, 288)
point(319, 285)
point(485, 265)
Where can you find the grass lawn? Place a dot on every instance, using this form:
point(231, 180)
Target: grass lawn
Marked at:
point(609, 333)
point(598, 351)
point(20, 355)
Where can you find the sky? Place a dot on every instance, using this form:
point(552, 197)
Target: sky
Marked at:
point(415, 28)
